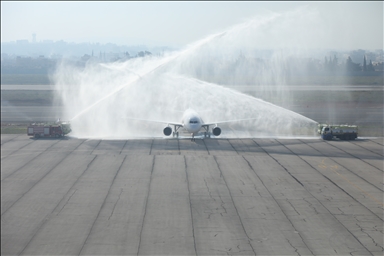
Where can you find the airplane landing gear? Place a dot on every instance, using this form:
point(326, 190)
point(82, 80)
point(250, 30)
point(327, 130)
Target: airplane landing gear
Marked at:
point(207, 135)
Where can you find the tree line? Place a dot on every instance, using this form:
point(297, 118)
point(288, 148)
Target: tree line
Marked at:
point(332, 65)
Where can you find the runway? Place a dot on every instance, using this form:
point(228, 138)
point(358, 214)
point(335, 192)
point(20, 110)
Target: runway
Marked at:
point(44, 87)
point(259, 196)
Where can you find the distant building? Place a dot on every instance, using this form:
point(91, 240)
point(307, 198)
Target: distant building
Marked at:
point(23, 41)
point(85, 57)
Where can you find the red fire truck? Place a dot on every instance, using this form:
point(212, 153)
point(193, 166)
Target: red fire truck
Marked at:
point(45, 130)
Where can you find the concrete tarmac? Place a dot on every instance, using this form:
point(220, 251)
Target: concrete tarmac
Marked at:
point(177, 197)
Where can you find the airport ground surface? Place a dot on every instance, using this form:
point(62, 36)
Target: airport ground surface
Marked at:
point(177, 197)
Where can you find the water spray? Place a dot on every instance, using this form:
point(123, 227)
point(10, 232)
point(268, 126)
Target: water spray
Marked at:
point(148, 88)
point(166, 61)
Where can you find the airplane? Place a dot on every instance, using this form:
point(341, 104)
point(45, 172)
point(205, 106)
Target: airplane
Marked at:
point(192, 123)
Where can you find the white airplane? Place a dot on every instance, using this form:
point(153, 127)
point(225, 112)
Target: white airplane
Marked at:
point(192, 123)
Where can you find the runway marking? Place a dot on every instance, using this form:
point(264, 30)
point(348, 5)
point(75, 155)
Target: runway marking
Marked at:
point(11, 155)
point(336, 167)
point(38, 151)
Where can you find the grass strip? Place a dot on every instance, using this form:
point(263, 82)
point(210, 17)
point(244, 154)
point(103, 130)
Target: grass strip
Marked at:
point(14, 128)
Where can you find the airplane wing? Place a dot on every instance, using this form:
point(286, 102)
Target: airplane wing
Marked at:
point(155, 121)
point(228, 121)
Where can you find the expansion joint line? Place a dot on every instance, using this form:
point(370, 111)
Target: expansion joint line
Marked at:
point(229, 141)
point(95, 147)
point(341, 190)
point(341, 187)
point(39, 179)
point(102, 205)
point(354, 156)
point(150, 151)
point(366, 148)
point(123, 147)
point(206, 147)
point(347, 170)
point(77, 180)
point(178, 146)
point(190, 204)
point(31, 160)
point(376, 142)
point(16, 150)
point(234, 205)
point(266, 187)
point(280, 163)
point(54, 209)
point(11, 139)
point(146, 204)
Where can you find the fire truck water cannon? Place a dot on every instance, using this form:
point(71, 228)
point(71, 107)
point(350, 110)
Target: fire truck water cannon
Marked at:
point(57, 129)
point(342, 132)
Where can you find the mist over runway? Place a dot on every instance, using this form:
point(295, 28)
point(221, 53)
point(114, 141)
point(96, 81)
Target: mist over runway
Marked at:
point(159, 87)
point(177, 197)
point(100, 98)
point(367, 115)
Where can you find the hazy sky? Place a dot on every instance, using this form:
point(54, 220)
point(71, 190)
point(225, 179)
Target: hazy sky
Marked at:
point(350, 24)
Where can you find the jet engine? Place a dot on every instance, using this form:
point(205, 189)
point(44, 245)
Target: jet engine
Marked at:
point(216, 131)
point(167, 131)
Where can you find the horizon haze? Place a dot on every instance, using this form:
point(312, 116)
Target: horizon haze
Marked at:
point(340, 25)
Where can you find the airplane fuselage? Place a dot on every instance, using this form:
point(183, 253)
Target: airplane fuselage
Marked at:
point(192, 122)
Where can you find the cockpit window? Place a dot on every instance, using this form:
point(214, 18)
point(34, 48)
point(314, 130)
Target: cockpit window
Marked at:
point(193, 121)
